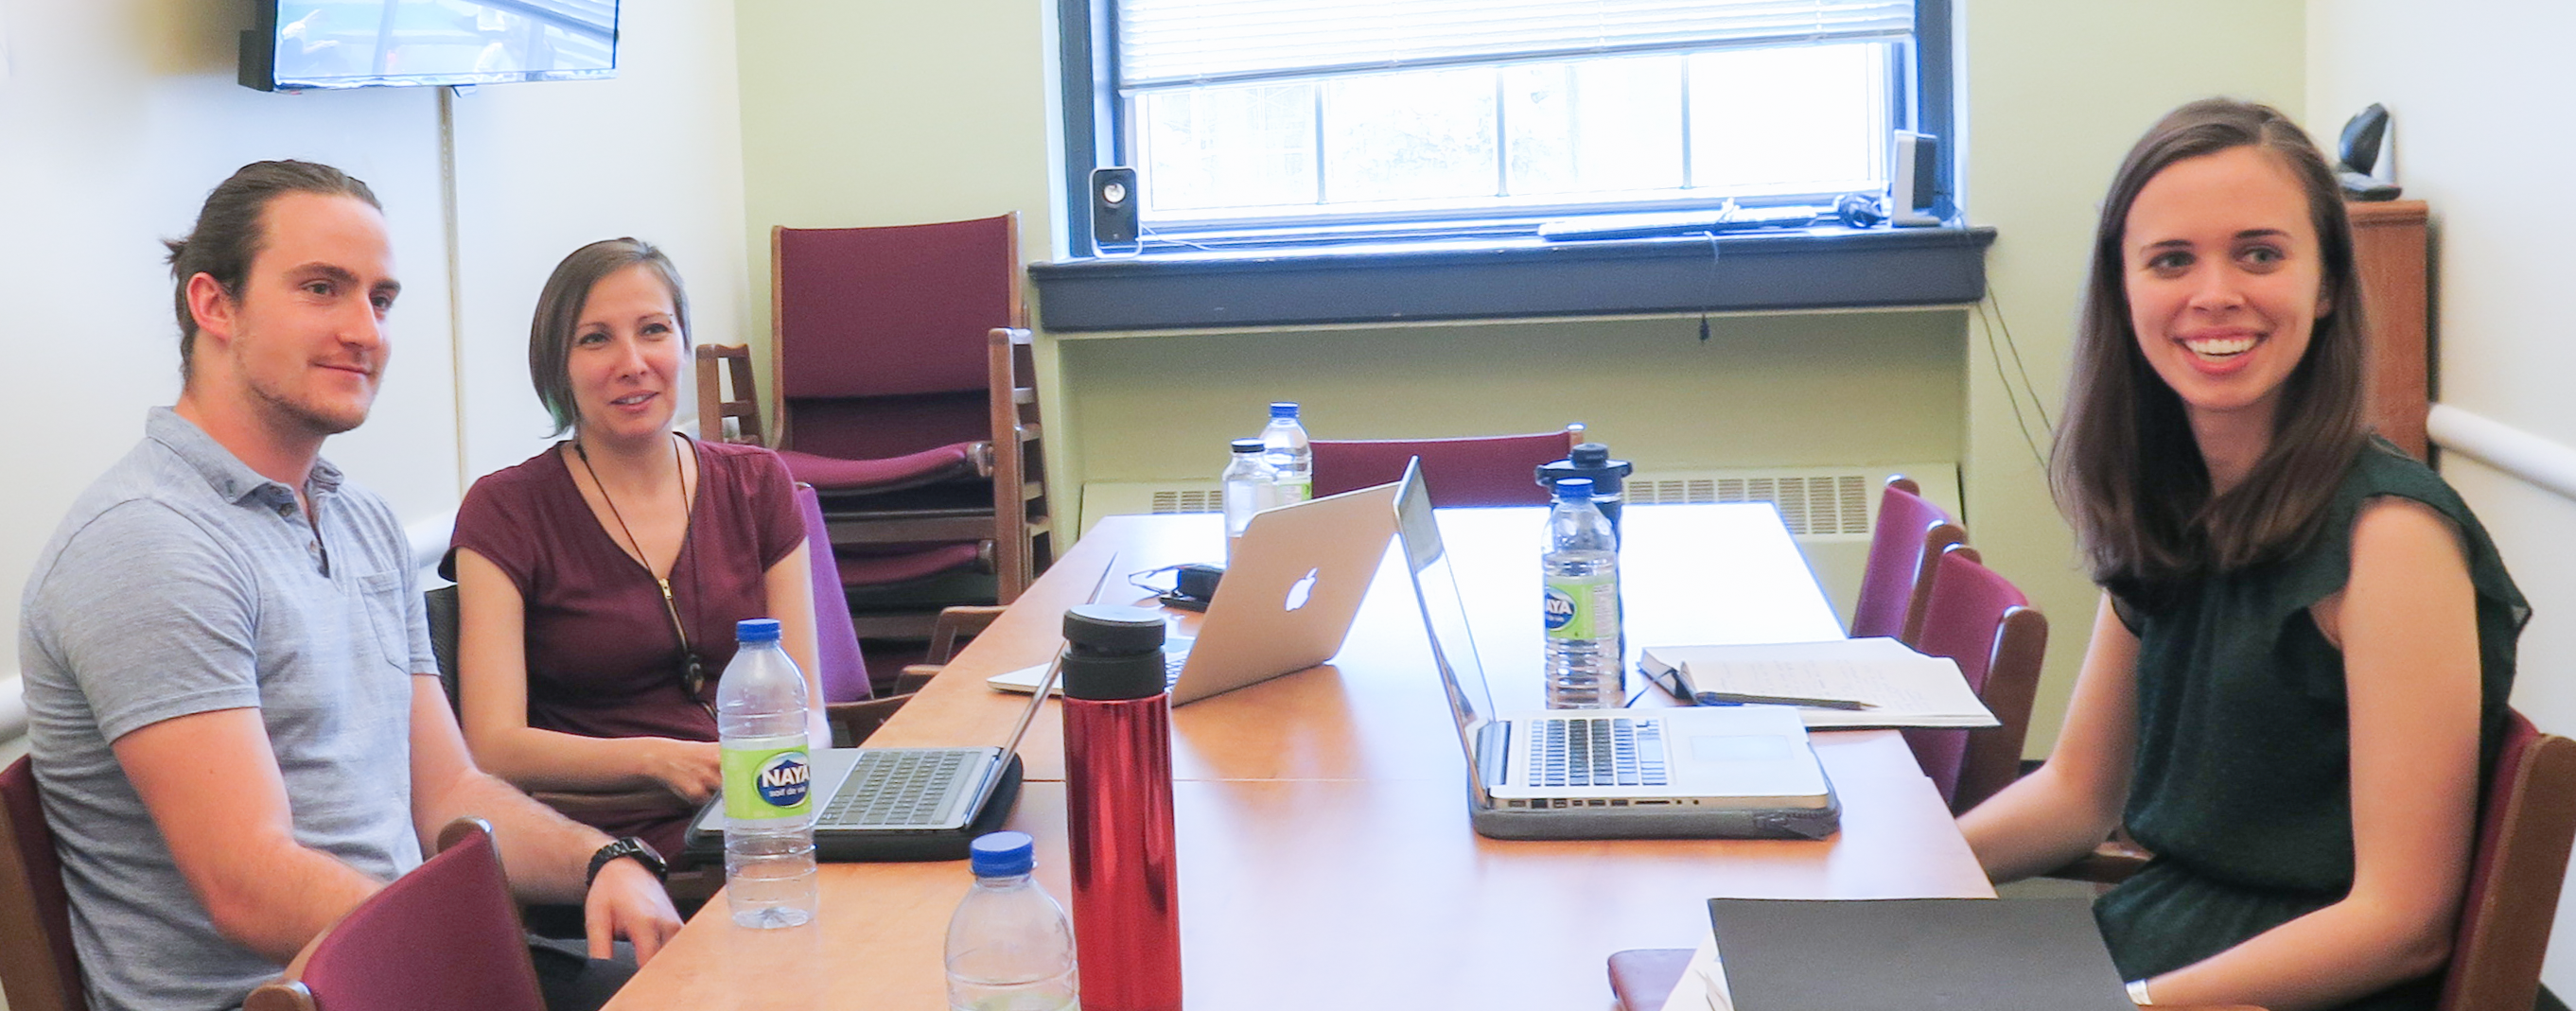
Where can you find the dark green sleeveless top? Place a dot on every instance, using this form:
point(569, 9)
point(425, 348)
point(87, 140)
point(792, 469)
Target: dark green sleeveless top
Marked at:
point(2242, 785)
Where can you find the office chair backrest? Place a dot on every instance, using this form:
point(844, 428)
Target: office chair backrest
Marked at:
point(1903, 548)
point(844, 673)
point(2525, 825)
point(38, 969)
point(1983, 623)
point(1488, 470)
point(446, 935)
point(881, 332)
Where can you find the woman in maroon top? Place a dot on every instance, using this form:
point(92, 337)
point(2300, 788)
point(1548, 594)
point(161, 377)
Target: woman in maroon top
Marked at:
point(598, 583)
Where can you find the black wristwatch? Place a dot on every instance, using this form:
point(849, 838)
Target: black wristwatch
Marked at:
point(630, 846)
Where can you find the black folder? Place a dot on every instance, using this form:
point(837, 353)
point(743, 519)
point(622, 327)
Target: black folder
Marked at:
point(1874, 954)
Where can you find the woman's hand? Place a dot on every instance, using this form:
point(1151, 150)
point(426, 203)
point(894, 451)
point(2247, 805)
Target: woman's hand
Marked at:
point(691, 769)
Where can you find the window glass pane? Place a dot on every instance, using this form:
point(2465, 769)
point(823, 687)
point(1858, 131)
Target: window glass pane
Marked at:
point(1789, 120)
point(1241, 146)
point(1424, 134)
point(1594, 125)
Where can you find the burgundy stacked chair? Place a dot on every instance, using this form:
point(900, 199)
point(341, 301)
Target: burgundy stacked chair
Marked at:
point(446, 935)
point(1903, 548)
point(38, 969)
point(881, 368)
point(1979, 620)
point(1491, 470)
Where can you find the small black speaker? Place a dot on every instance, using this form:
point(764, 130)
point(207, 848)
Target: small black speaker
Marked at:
point(1113, 207)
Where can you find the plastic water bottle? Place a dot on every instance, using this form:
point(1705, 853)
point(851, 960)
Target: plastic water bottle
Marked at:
point(1581, 571)
point(1250, 487)
point(1284, 442)
point(769, 831)
point(1009, 947)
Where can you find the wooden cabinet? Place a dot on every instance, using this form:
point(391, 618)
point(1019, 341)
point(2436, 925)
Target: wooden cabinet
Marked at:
point(2389, 249)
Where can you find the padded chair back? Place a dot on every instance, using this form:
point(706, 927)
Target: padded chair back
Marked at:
point(881, 332)
point(440, 605)
point(1491, 470)
point(38, 969)
point(2525, 825)
point(446, 935)
point(1903, 548)
point(844, 672)
point(1981, 621)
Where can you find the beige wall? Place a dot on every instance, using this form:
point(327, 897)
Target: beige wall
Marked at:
point(2465, 98)
point(116, 117)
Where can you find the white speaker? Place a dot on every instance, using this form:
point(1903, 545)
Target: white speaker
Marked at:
point(1913, 162)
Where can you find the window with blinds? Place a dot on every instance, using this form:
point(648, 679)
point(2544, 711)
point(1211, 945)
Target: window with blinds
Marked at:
point(1247, 112)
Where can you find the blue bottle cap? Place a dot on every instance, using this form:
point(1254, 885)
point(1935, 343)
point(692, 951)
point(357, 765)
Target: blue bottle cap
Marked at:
point(755, 630)
point(1246, 445)
point(1284, 409)
point(1574, 489)
point(1002, 854)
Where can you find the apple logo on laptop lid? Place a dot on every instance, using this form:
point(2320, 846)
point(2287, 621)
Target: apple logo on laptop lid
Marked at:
point(1302, 590)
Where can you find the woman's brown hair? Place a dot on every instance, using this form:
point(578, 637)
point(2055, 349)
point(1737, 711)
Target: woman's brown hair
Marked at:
point(2125, 469)
point(551, 334)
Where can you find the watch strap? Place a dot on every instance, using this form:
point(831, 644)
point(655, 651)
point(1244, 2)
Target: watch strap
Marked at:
point(619, 849)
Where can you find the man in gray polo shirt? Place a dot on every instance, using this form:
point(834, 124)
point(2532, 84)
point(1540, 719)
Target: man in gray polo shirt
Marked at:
point(236, 719)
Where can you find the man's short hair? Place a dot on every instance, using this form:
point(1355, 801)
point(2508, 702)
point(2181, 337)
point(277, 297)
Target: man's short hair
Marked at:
point(230, 231)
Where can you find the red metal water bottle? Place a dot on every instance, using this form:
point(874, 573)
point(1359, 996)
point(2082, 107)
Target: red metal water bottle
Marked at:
point(1118, 801)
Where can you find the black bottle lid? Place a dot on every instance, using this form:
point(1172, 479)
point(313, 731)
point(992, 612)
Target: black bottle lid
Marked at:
point(1112, 652)
point(1589, 460)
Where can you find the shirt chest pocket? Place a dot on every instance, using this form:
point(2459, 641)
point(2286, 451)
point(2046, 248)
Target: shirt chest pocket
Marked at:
point(388, 616)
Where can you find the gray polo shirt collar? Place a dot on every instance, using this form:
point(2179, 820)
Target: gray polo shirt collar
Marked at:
point(227, 474)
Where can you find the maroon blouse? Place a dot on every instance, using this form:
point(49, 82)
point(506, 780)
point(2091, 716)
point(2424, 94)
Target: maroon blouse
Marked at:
point(603, 659)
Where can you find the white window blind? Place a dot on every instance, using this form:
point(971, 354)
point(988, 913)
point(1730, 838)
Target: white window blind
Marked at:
point(1163, 43)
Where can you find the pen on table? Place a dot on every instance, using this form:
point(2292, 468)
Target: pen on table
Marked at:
point(1739, 699)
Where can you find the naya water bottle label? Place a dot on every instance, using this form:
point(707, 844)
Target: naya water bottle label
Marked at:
point(1581, 608)
point(767, 783)
point(1293, 492)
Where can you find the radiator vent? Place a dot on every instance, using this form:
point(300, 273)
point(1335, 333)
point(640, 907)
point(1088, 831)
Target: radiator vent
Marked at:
point(1190, 500)
point(1818, 505)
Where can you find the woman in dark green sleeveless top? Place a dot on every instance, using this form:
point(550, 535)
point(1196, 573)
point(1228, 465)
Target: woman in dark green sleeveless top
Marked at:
point(2300, 669)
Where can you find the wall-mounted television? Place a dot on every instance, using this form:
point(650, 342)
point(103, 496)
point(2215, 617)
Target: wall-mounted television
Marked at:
point(300, 44)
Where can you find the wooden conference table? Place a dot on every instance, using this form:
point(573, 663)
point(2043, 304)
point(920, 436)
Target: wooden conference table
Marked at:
point(1325, 855)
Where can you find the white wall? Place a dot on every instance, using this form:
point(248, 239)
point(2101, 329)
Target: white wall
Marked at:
point(116, 117)
point(543, 169)
point(2473, 139)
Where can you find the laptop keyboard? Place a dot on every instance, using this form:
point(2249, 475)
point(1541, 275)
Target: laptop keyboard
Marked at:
point(904, 787)
point(1596, 751)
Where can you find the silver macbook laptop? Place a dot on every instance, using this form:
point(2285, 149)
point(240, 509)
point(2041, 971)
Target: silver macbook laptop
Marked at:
point(904, 803)
point(1287, 601)
point(1689, 773)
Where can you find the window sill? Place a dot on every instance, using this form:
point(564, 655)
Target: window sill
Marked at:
point(1814, 268)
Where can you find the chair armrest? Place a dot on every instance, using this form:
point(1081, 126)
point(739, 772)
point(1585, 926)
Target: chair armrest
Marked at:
point(855, 721)
point(914, 676)
point(571, 802)
point(955, 622)
point(2108, 864)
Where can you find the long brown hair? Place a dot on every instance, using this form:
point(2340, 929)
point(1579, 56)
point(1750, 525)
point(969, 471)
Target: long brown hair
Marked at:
point(2125, 469)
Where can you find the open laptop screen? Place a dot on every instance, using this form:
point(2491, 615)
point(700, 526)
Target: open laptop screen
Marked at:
point(1444, 612)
